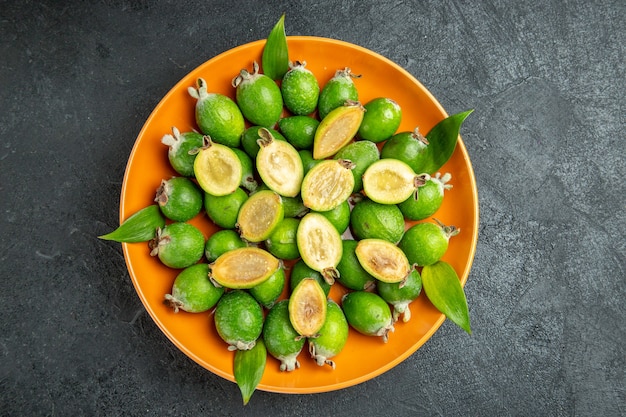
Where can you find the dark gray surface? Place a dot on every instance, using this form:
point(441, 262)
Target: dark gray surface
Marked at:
point(546, 292)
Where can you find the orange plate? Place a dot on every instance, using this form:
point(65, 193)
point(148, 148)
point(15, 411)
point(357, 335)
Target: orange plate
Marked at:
point(363, 357)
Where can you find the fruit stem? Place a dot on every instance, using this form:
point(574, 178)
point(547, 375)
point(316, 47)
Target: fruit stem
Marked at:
point(172, 302)
point(265, 137)
point(330, 274)
point(449, 231)
point(417, 135)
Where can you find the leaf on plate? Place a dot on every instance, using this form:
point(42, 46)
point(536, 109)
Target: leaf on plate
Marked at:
point(443, 288)
point(249, 368)
point(140, 227)
point(275, 59)
point(442, 140)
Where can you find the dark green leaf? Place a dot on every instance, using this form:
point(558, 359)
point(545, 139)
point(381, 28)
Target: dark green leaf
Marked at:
point(140, 227)
point(249, 368)
point(443, 288)
point(442, 140)
point(275, 59)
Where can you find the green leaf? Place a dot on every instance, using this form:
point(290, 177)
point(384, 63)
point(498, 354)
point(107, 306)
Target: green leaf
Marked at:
point(275, 59)
point(443, 288)
point(140, 227)
point(249, 368)
point(442, 140)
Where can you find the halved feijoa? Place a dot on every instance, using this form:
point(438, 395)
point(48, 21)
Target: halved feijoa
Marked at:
point(307, 308)
point(279, 164)
point(337, 129)
point(217, 168)
point(243, 267)
point(327, 184)
point(383, 260)
point(320, 246)
point(259, 215)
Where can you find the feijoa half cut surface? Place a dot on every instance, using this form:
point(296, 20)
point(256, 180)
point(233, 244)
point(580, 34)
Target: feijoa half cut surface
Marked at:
point(217, 168)
point(327, 184)
point(307, 308)
point(383, 260)
point(391, 181)
point(259, 215)
point(337, 129)
point(320, 245)
point(279, 164)
point(244, 267)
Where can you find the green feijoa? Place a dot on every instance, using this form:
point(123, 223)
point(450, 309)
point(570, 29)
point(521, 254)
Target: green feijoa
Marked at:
point(401, 294)
point(299, 130)
point(294, 207)
point(250, 137)
point(332, 336)
point(368, 313)
point(362, 154)
point(444, 290)
point(339, 89)
point(178, 245)
point(281, 339)
point(141, 226)
point(268, 292)
point(408, 147)
point(282, 241)
point(300, 89)
point(179, 199)
point(238, 319)
point(181, 152)
point(351, 274)
point(301, 270)
point(428, 198)
point(381, 119)
point(339, 216)
point(217, 115)
point(223, 210)
point(308, 161)
point(370, 219)
point(193, 291)
point(258, 97)
point(221, 242)
point(425, 243)
point(247, 166)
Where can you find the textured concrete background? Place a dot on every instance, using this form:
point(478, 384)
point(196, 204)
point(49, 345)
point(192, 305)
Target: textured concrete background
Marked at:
point(546, 292)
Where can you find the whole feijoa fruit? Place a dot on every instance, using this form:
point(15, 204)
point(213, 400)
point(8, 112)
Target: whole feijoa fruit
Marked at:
point(352, 275)
point(193, 291)
point(299, 130)
point(178, 245)
point(217, 115)
point(428, 198)
point(181, 150)
point(281, 339)
point(368, 313)
point(258, 97)
point(362, 154)
point(401, 294)
point(221, 242)
point(300, 89)
point(381, 119)
point(223, 210)
point(179, 199)
point(339, 89)
point(408, 147)
point(238, 320)
point(425, 243)
point(268, 292)
point(370, 219)
point(332, 337)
